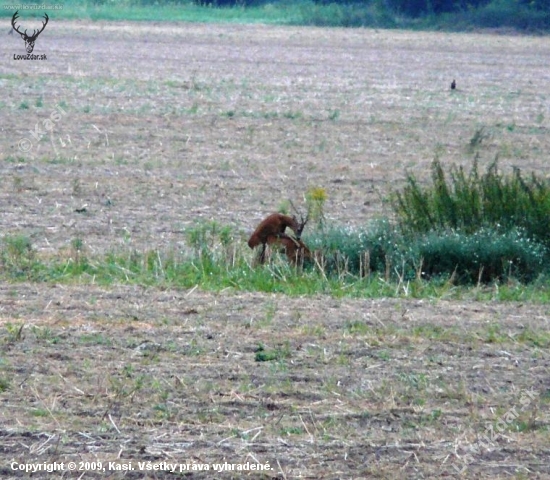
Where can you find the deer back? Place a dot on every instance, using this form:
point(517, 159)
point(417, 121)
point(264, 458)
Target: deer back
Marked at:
point(273, 225)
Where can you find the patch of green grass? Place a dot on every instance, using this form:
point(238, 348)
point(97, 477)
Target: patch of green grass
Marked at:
point(17, 254)
point(334, 114)
point(357, 327)
point(45, 333)
point(292, 115)
point(194, 349)
point(435, 332)
point(13, 159)
point(279, 353)
point(418, 381)
point(39, 412)
point(4, 385)
point(383, 355)
point(536, 338)
point(314, 330)
point(14, 332)
point(270, 312)
point(218, 269)
point(493, 334)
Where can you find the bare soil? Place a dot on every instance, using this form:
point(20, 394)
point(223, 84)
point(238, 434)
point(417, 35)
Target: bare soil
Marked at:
point(369, 389)
point(154, 127)
point(169, 124)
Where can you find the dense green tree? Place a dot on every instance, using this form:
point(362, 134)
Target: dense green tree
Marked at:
point(543, 5)
point(416, 8)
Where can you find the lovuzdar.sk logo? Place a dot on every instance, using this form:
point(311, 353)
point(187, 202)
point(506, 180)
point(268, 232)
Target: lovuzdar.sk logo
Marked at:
point(29, 39)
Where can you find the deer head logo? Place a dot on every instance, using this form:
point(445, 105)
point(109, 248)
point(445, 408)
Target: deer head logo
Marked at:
point(29, 39)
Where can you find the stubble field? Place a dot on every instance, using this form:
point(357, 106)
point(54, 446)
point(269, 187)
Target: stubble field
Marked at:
point(155, 127)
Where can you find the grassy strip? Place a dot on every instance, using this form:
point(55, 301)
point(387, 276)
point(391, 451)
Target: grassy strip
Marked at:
point(189, 12)
point(176, 270)
point(301, 12)
point(375, 14)
point(472, 230)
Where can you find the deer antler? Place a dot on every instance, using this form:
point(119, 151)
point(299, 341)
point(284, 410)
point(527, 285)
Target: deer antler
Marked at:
point(29, 40)
point(302, 223)
point(13, 19)
point(36, 33)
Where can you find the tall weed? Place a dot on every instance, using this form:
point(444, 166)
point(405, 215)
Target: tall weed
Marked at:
point(471, 201)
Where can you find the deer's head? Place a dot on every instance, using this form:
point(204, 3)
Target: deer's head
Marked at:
point(29, 39)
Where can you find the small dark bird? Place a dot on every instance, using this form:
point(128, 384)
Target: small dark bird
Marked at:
point(453, 85)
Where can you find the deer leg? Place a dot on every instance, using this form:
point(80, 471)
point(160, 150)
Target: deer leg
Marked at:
point(261, 257)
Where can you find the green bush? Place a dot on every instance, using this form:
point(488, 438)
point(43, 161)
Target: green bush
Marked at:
point(17, 255)
point(334, 14)
point(510, 13)
point(358, 251)
point(470, 201)
point(471, 227)
point(488, 254)
point(484, 256)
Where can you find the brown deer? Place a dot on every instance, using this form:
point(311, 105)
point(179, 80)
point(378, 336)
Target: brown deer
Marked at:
point(274, 225)
point(271, 231)
point(296, 251)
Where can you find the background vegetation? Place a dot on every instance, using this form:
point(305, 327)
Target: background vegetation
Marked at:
point(524, 15)
point(469, 228)
point(131, 333)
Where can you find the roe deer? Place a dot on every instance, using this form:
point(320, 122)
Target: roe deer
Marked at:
point(296, 251)
point(271, 231)
point(274, 225)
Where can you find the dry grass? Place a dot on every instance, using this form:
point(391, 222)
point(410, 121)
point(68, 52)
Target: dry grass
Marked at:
point(166, 125)
point(169, 124)
point(369, 389)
